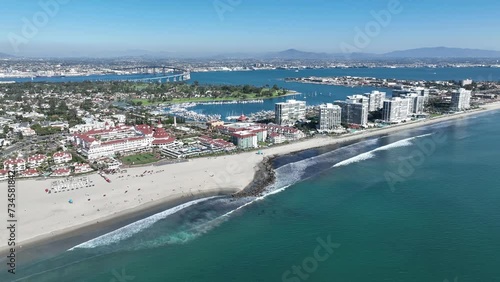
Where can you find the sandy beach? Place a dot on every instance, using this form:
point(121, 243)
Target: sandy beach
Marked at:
point(42, 215)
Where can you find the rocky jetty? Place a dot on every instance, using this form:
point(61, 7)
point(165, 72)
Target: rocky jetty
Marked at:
point(264, 176)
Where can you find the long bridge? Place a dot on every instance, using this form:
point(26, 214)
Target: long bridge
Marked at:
point(157, 73)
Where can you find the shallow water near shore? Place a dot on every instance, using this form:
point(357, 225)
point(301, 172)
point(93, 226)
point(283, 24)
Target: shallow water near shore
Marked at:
point(437, 219)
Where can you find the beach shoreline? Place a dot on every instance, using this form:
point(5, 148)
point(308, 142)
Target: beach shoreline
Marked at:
point(46, 218)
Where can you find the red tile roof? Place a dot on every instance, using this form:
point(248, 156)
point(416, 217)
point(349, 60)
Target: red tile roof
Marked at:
point(31, 172)
point(243, 134)
point(66, 155)
point(38, 157)
point(160, 133)
point(144, 129)
point(14, 162)
point(122, 141)
point(61, 171)
point(163, 141)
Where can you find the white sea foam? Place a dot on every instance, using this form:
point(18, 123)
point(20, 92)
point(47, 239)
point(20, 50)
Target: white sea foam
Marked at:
point(356, 159)
point(370, 154)
point(134, 228)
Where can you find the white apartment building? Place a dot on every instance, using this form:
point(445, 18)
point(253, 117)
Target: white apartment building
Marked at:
point(330, 117)
point(416, 103)
point(460, 100)
point(396, 110)
point(466, 82)
point(375, 100)
point(16, 165)
point(290, 112)
point(354, 111)
point(358, 99)
point(62, 157)
point(36, 160)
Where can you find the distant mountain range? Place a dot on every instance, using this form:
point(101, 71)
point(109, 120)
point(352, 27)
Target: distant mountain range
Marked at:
point(443, 52)
point(5, 56)
point(294, 54)
point(432, 52)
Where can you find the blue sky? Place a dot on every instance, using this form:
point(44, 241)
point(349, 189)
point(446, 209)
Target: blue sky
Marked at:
point(96, 27)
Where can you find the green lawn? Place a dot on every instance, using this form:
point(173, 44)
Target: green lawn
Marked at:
point(234, 97)
point(139, 159)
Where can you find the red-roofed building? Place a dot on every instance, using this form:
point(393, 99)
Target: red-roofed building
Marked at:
point(216, 143)
point(62, 157)
point(276, 138)
point(16, 165)
point(145, 129)
point(106, 143)
point(242, 118)
point(61, 172)
point(161, 137)
point(245, 139)
point(290, 133)
point(31, 173)
point(36, 160)
point(82, 168)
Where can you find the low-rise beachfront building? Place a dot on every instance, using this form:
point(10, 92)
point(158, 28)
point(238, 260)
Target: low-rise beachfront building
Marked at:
point(262, 131)
point(216, 144)
point(36, 160)
point(30, 173)
point(16, 165)
point(82, 168)
point(61, 172)
point(290, 133)
point(276, 138)
point(4, 174)
point(109, 163)
point(96, 144)
point(98, 149)
point(62, 157)
point(245, 139)
point(214, 124)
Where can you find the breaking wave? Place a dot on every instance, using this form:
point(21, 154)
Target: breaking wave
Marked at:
point(369, 155)
point(134, 228)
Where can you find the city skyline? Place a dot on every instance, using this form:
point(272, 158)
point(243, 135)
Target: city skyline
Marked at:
point(198, 28)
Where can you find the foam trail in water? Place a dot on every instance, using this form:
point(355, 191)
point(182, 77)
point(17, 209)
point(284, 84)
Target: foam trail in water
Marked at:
point(356, 159)
point(134, 228)
point(368, 155)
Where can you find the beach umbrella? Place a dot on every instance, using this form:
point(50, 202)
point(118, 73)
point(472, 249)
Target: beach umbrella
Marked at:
point(46, 190)
point(70, 201)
